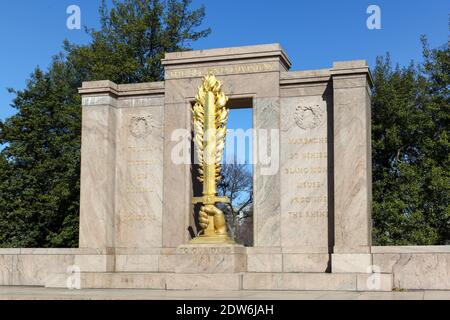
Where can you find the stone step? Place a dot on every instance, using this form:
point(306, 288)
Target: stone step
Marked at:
point(159, 281)
point(318, 281)
point(224, 281)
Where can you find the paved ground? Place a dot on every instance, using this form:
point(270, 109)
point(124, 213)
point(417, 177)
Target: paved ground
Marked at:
point(39, 293)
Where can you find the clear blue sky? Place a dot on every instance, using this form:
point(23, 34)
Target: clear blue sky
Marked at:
point(314, 33)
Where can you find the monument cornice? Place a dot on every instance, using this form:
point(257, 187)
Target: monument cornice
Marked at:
point(227, 54)
point(353, 67)
point(122, 90)
point(308, 76)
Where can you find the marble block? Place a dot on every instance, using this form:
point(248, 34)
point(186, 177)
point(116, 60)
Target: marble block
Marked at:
point(205, 258)
point(264, 262)
point(306, 262)
point(420, 271)
point(317, 281)
point(299, 281)
point(95, 263)
point(137, 263)
point(156, 281)
point(352, 262)
point(6, 269)
point(374, 282)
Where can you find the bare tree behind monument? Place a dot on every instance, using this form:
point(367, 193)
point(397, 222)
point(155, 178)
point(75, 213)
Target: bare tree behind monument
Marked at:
point(237, 185)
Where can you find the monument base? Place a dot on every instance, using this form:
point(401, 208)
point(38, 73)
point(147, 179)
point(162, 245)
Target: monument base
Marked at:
point(351, 262)
point(229, 281)
point(221, 267)
point(205, 258)
point(211, 240)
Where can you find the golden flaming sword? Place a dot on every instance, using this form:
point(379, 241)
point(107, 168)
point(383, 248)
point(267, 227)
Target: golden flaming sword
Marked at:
point(210, 116)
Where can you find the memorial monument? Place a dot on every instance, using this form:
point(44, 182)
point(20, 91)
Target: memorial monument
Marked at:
point(311, 177)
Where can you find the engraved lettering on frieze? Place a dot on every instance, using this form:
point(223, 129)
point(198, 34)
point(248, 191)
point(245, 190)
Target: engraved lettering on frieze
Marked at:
point(141, 126)
point(315, 155)
point(305, 170)
point(221, 70)
point(140, 162)
point(310, 184)
point(308, 214)
point(137, 217)
point(206, 250)
point(308, 141)
point(308, 155)
point(139, 177)
point(309, 199)
point(310, 116)
point(144, 148)
point(138, 190)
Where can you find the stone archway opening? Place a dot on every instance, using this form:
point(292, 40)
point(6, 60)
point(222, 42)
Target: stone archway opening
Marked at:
point(237, 171)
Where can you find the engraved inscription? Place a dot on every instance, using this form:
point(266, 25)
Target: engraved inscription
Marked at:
point(308, 155)
point(144, 148)
point(140, 162)
point(198, 250)
point(137, 217)
point(309, 199)
point(310, 184)
point(138, 190)
point(221, 70)
point(308, 214)
point(306, 170)
point(308, 141)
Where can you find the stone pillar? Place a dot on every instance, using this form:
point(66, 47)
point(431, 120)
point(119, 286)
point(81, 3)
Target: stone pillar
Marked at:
point(352, 167)
point(98, 164)
point(177, 190)
point(266, 174)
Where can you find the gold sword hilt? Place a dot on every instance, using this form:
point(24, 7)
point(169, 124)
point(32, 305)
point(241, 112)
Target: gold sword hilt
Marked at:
point(209, 199)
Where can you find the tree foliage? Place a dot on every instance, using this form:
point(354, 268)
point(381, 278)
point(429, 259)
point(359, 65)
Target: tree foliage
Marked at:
point(134, 37)
point(40, 158)
point(410, 143)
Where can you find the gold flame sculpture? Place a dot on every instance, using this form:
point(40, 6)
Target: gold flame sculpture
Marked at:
point(210, 116)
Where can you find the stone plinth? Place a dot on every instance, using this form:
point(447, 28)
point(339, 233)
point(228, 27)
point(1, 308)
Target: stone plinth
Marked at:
point(205, 258)
point(317, 281)
point(230, 281)
point(286, 260)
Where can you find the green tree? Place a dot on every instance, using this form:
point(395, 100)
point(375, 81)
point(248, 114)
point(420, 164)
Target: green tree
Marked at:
point(410, 127)
point(134, 37)
point(40, 157)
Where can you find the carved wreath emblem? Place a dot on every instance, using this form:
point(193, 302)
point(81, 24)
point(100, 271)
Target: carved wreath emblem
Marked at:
point(309, 116)
point(141, 126)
